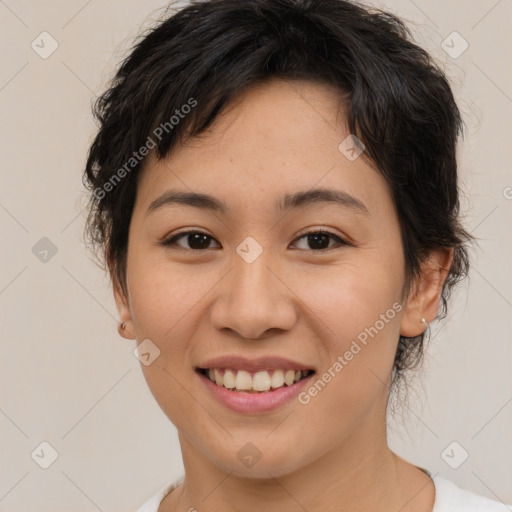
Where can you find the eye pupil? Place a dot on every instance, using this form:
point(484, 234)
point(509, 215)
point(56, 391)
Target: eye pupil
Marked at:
point(316, 240)
point(198, 238)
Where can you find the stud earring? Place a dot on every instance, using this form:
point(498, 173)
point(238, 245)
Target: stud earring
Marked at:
point(423, 321)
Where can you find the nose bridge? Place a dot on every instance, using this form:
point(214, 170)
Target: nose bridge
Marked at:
point(253, 280)
point(252, 300)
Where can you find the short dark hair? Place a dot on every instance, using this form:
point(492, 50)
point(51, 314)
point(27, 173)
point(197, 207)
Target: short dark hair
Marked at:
point(400, 105)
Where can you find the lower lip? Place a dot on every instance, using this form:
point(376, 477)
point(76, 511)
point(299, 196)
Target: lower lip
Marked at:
point(240, 401)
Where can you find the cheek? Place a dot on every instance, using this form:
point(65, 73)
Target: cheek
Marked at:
point(358, 315)
point(166, 308)
point(348, 297)
point(163, 296)
point(359, 349)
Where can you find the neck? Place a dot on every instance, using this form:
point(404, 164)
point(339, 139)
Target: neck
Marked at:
point(359, 474)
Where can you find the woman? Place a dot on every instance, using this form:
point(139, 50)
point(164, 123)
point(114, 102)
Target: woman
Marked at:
point(274, 192)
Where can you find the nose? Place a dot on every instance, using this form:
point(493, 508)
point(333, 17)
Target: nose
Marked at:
point(253, 300)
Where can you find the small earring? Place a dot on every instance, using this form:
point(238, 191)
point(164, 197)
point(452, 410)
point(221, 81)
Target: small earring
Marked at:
point(123, 326)
point(423, 321)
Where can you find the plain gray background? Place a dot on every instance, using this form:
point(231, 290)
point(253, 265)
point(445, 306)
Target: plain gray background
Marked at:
point(69, 380)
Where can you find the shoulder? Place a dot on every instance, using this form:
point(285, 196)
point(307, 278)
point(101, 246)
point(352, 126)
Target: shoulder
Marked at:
point(451, 498)
point(153, 503)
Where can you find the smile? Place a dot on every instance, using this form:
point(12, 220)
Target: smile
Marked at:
point(253, 382)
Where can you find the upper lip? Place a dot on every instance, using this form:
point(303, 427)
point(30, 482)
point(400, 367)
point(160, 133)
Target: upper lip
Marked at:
point(255, 364)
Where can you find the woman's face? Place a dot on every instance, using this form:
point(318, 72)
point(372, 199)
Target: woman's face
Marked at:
point(257, 287)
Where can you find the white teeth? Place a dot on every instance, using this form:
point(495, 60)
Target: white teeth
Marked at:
point(277, 379)
point(243, 380)
point(219, 379)
point(289, 377)
point(229, 379)
point(262, 381)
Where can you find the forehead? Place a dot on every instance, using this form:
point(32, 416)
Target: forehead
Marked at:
point(274, 139)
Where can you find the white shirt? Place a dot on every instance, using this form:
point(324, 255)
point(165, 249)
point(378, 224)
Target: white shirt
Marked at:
point(449, 498)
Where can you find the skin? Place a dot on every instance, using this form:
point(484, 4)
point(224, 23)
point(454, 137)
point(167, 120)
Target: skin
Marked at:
point(303, 303)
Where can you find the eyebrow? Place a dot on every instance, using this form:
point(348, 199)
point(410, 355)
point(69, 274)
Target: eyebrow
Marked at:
point(287, 202)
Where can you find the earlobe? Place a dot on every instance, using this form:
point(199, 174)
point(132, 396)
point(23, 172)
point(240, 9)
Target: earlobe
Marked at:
point(422, 304)
point(122, 330)
point(125, 326)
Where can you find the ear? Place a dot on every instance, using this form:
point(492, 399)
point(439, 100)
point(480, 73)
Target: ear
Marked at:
point(123, 308)
point(425, 294)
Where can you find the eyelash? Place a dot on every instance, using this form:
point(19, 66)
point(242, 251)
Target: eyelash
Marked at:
point(172, 241)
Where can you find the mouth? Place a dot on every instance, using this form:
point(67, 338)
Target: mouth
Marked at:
point(263, 381)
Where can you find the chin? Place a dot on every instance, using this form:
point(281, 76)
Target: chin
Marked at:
point(259, 459)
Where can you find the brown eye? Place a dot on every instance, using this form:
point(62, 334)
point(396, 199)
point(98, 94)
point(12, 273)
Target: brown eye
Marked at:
point(196, 240)
point(319, 240)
